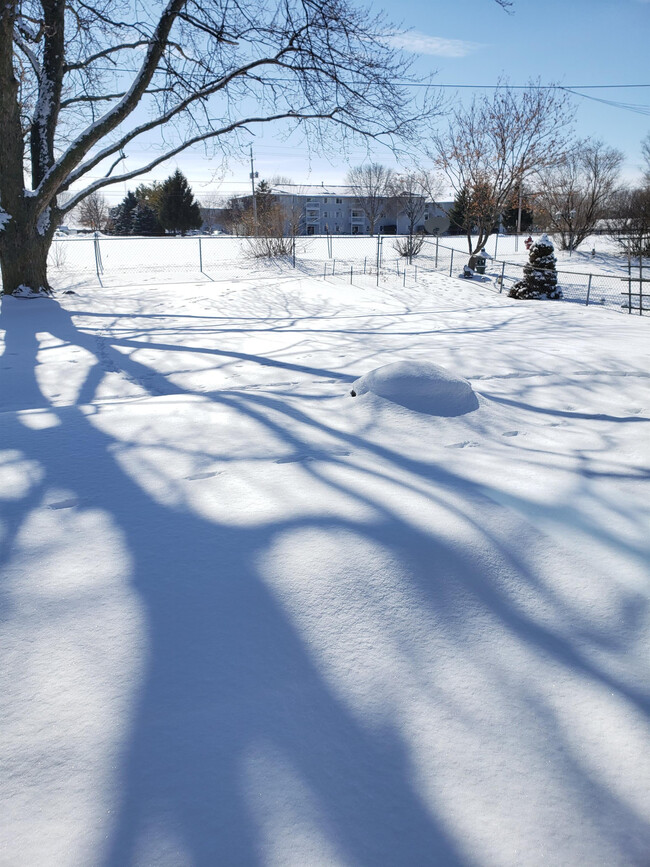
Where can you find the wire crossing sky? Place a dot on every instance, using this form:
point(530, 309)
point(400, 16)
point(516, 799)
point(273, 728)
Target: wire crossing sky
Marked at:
point(594, 49)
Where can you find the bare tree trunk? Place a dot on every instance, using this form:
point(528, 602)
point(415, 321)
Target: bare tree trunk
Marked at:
point(480, 243)
point(23, 259)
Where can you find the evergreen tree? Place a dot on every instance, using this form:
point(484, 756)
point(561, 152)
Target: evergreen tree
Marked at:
point(540, 275)
point(145, 221)
point(264, 199)
point(458, 214)
point(150, 194)
point(122, 215)
point(178, 212)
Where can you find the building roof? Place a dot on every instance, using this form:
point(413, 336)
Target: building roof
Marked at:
point(338, 190)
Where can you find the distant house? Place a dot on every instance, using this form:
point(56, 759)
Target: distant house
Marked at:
point(336, 210)
point(332, 209)
point(322, 210)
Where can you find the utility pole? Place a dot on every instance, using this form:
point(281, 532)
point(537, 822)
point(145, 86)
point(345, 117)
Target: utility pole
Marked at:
point(254, 175)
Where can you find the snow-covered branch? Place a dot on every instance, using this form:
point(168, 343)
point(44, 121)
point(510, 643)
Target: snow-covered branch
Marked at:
point(240, 124)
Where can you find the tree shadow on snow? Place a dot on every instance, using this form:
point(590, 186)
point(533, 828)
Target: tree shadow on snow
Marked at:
point(231, 686)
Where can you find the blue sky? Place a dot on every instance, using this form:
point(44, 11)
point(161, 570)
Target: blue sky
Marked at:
point(570, 42)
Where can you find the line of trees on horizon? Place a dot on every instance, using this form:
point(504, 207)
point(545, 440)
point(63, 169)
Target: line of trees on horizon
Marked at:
point(154, 209)
point(571, 199)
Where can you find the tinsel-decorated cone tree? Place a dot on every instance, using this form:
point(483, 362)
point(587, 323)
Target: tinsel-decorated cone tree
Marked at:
point(540, 274)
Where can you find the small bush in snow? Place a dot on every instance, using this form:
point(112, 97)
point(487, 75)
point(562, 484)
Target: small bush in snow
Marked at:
point(540, 274)
point(409, 245)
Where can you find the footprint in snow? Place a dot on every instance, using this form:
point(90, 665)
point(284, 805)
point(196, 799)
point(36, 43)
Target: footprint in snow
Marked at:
point(64, 504)
point(312, 456)
point(510, 433)
point(466, 444)
point(197, 476)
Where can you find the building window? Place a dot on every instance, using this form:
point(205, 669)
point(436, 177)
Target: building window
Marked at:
point(310, 230)
point(355, 230)
point(325, 201)
point(325, 212)
point(426, 215)
point(357, 213)
point(339, 201)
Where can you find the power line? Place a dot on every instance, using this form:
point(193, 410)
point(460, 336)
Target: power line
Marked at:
point(415, 83)
point(573, 89)
point(628, 106)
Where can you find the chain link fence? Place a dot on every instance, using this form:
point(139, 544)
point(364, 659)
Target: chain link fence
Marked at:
point(138, 261)
point(621, 287)
point(361, 260)
point(381, 259)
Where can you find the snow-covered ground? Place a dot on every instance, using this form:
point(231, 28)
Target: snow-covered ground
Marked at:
point(249, 619)
point(118, 261)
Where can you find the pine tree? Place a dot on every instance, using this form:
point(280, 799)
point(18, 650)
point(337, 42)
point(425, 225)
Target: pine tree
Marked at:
point(540, 275)
point(145, 221)
point(122, 215)
point(178, 210)
point(264, 200)
point(150, 194)
point(458, 213)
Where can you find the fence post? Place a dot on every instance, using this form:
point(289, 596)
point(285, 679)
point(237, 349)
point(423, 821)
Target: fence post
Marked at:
point(629, 284)
point(293, 251)
point(641, 283)
point(99, 267)
point(451, 264)
point(333, 266)
point(503, 270)
point(496, 244)
point(350, 273)
point(588, 290)
point(378, 254)
point(364, 264)
point(325, 270)
point(437, 242)
point(200, 256)
point(404, 281)
point(517, 242)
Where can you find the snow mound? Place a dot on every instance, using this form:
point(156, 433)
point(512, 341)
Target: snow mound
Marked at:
point(24, 291)
point(420, 386)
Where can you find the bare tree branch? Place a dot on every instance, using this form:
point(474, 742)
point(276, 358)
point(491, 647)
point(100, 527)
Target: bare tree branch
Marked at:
point(578, 192)
point(127, 176)
point(80, 80)
point(491, 147)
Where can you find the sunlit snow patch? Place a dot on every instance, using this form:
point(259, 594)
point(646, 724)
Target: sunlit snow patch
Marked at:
point(420, 386)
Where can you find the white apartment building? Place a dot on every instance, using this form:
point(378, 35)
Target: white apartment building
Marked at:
point(335, 210)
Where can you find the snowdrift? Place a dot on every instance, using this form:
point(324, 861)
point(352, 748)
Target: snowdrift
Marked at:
point(420, 386)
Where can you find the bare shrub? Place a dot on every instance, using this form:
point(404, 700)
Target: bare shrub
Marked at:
point(409, 245)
